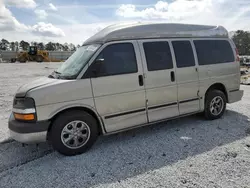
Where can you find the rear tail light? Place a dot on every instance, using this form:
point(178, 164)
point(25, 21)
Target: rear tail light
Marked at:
point(237, 55)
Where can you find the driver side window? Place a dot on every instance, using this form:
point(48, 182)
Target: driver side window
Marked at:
point(114, 59)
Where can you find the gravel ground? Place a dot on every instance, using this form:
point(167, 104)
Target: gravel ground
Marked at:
point(187, 152)
point(12, 76)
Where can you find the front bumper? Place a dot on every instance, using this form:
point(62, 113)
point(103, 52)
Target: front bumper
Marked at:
point(28, 132)
point(29, 138)
point(235, 96)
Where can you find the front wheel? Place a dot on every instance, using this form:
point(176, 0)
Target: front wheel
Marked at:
point(22, 60)
point(73, 132)
point(215, 104)
point(39, 58)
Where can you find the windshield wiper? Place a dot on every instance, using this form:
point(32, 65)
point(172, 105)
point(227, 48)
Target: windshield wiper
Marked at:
point(57, 72)
point(54, 74)
point(66, 77)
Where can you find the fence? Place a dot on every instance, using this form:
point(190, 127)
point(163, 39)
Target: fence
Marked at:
point(7, 55)
point(59, 55)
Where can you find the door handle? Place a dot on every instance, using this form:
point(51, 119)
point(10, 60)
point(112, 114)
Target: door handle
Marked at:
point(172, 76)
point(140, 79)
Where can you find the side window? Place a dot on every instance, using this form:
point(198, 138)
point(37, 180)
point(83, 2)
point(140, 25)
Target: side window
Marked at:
point(158, 55)
point(183, 54)
point(115, 59)
point(214, 51)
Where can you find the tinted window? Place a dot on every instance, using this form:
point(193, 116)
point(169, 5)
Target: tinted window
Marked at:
point(183, 54)
point(213, 51)
point(158, 55)
point(118, 59)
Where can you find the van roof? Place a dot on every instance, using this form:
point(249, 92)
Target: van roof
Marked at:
point(129, 31)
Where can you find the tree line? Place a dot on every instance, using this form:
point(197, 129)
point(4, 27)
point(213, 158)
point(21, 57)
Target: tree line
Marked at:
point(241, 39)
point(5, 45)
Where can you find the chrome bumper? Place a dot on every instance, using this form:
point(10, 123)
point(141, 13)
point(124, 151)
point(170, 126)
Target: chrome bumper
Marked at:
point(29, 138)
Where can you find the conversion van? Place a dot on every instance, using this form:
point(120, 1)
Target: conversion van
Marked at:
point(126, 76)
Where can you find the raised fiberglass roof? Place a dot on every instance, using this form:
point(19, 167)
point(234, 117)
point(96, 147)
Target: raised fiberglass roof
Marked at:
point(127, 31)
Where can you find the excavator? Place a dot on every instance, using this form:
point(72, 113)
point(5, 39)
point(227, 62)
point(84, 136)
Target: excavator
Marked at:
point(33, 54)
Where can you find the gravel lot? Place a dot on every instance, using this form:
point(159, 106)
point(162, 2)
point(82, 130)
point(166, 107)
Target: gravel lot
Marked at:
point(187, 152)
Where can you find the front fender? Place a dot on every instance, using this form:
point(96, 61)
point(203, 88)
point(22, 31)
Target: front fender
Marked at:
point(48, 112)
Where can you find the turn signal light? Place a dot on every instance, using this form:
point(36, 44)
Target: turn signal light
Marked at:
point(26, 117)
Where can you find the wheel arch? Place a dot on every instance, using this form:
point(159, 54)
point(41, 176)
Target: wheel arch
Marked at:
point(89, 110)
point(217, 86)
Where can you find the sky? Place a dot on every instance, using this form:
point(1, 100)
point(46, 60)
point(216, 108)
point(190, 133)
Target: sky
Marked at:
point(73, 21)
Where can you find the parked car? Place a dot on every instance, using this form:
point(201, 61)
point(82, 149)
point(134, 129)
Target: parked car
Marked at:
point(128, 76)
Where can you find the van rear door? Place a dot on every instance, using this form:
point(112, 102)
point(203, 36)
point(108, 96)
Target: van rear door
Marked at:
point(186, 76)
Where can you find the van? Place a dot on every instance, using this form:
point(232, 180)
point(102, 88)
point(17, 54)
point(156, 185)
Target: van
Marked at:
point(127, 76)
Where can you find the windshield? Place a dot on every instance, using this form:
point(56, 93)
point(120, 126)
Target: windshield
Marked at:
point(75, 63)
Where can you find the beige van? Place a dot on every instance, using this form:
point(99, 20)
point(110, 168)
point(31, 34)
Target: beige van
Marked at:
point(126, 76)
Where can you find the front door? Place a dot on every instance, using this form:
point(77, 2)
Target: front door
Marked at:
point(186, 76)
point(160, 81)
point(118, 85)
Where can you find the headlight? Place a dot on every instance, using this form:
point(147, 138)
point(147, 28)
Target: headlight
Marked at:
point(23, 103)
point(24, 109)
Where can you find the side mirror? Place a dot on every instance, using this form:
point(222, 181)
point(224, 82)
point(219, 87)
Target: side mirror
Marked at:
point(99, 61)
point(97, 66)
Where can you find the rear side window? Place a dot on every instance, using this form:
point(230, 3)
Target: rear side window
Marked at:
point(183, 54)
point(213, 51)
point(158, 55)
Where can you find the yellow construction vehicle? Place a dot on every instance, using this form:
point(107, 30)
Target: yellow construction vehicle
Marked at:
point(33, 54)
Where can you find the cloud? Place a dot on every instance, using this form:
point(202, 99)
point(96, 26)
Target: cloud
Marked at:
point(52, 7)
point(214, 12)
point(164, 10)
point(21, 3)
point(7, 21)
point(161, 6)
point(41, 14)
point(229, 13)
point(47, 29)
point(12, 29)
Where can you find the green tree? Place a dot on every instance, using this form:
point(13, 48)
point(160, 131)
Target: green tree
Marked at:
point(24, 45)
point(72, 47)
point(16, 46)
point(66, 47)
point(12, 46)
point(34, 44)
point(50, 46)
point(242, 41)
point(4, 44)
point(40, 46)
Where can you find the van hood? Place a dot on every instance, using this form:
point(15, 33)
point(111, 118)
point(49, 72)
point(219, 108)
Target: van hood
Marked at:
point(22, 91)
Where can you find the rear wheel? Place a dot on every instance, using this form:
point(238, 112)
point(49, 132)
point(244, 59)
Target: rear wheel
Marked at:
point(215, 104)
point(73, 132)
point(13, 60)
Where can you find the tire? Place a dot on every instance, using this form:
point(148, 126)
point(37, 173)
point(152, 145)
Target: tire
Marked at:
point(22, 60)
point(64, 123)
point(39, 58)
point(13, 60)
point(212, 99)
